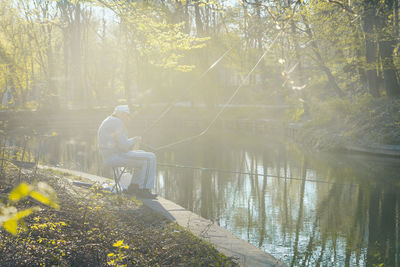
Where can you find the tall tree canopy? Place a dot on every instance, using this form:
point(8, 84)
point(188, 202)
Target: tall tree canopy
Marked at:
point(91, 53)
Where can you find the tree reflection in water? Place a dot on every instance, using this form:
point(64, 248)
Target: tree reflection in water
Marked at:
point(303, 223)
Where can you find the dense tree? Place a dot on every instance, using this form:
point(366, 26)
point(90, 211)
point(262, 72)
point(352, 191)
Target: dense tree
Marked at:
point(85, 53)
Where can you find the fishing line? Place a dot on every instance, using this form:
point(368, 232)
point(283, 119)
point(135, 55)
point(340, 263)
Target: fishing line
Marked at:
point(223, 107)
point(169, 107)
point(251, 173)
point(188, 89)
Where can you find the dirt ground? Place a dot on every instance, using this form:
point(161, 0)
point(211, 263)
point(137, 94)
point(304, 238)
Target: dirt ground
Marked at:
point(96, 228)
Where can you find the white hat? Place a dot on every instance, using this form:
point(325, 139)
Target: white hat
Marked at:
point(123, 108)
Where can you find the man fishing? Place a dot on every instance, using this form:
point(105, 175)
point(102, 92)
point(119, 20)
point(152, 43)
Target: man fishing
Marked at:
point(118, 150)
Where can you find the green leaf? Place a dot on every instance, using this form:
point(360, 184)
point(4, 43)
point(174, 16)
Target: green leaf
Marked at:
point(19, 192)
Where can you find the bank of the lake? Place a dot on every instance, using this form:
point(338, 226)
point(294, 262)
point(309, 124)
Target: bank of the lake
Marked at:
point(96, 228)
point(277, 196)
point(366, 125)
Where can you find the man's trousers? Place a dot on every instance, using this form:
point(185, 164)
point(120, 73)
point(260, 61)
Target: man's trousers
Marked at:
point(143, 163)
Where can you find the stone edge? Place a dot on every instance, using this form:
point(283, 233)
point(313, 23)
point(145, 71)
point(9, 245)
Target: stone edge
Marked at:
point(225, 242)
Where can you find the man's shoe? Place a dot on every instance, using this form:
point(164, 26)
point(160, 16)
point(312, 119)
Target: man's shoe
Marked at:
point(145, 193)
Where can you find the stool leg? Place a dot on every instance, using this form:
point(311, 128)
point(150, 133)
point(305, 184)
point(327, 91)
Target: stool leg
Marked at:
point(117, 178)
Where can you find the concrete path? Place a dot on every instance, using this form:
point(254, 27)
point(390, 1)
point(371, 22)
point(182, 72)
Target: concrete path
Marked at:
point(223, 240)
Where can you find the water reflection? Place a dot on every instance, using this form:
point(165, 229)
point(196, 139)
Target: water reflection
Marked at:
point(353, 221)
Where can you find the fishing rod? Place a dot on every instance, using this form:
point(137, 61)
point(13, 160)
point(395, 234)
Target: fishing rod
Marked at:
point(186, 139)
point(171, 105)
point(168, 108)
point(281, 33)
point(251, 173)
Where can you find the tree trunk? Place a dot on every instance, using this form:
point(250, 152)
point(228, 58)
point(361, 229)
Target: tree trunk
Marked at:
point(300, 65)
point(371, 49)
point(51, 88)
point(199, 22)
point(389, 70)
point(320, 60)
point(78, 94)
point(331, 79)
point(386, 49)
point(396, 18)
point(127, 78)
point(358, 53)
point(187, 17)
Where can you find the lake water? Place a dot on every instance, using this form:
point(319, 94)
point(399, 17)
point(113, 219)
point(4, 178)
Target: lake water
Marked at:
point(305, 208)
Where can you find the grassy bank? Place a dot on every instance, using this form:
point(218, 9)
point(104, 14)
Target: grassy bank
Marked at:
point(96, 228)
point(360, 121)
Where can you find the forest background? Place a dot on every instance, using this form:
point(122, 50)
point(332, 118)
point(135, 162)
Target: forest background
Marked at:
point(334, 63)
